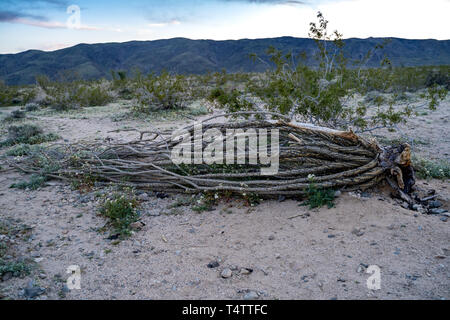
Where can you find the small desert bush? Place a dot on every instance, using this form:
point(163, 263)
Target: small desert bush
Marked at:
point(15, 95)
point(439, 78)
point(35, 182)
point(69, 95)
point(31, 107)
point(122, 85)
point(17, 268)
point(8, 95)
point(427, 169)
point(163, 92)
point(22, 149)
point(27, 134)
point(94, 96)
point(121, 211)
point(318, 197)
point(15, 115)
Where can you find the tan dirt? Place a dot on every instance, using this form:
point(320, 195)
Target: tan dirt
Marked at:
point(293, 252)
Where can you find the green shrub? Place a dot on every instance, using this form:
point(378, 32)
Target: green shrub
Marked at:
point(17, 268)
point(15, 115)
point(27, 134)
point(8, 95)
point(321, 94)
point(93, 96)
point(163, 92)
point(74, 94)
point(318, 197)
point(29, 107)
point(21, 133)
point(438, 77)
point(121, 212)
point(22, 150)
point(427, 169)
point(35, 182)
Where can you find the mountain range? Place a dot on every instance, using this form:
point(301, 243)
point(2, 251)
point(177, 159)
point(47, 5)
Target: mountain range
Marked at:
point(180, 55)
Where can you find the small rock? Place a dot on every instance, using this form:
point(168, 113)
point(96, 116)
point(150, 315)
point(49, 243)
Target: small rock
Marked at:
point(360, 269)
point(246, 271)
point(405, 205)
point(32, 291)
point(357, 232)
point(143, 197)
point(7, 276)
point(251, 295)
point(226, 273)
point(85, 199)
point(162, 195)
point(272, 237)
point(434, 204)
point(213, 264)
point(437, 211)
point(137, 225)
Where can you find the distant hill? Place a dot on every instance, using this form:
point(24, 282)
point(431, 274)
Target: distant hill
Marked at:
point(181, 55)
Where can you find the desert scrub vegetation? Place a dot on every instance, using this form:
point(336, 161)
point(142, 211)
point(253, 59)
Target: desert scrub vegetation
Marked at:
point(8, 231)
point(121, 211)
point(162, 92)
point(43, 160)
point(27, 134)
point(427, 169)
point(15, 95)
point(22, 149)
point(318, 197)
point(67, 95)
point(207, 201)
point(322, 95)
point(35, 182)
point(15, 115)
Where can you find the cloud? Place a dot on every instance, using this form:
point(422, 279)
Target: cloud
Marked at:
point(34, 4)
point(11, 16)
point(269, 1)
point(43, 22)
point(165, 24)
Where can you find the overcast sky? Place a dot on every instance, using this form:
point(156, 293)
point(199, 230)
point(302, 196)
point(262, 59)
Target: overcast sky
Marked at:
point(42, 24)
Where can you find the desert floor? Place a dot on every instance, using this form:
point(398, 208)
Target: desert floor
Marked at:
point(276, 250)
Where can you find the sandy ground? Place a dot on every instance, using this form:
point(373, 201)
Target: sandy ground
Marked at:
point(276, 250)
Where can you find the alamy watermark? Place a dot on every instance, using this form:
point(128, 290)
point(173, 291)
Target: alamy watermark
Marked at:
point(74, 20)
point(251, 146)
point(374, 281)
point(74, 280)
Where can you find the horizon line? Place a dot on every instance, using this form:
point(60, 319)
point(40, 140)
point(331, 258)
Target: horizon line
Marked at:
point(202, 39)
